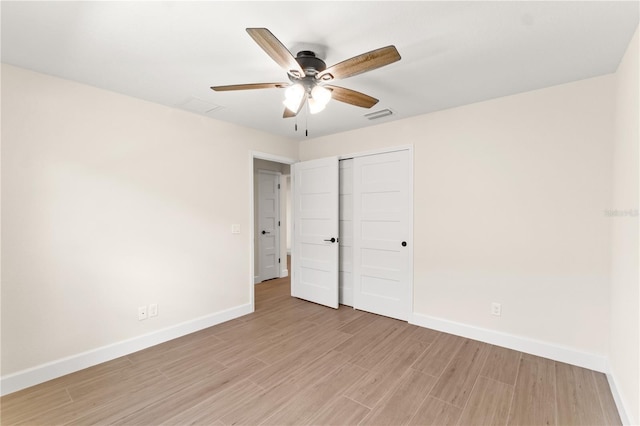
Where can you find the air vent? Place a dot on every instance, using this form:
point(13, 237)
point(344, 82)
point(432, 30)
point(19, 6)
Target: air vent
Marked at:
point(379, 114)
point(199, 106)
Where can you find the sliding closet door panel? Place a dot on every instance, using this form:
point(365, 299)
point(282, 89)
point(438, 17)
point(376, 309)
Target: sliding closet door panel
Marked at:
point(382, 234)
point(315, 209)
point(346, 232)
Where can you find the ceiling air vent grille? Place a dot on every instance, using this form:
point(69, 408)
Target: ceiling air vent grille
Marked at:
point(199, 106)
point(379, 114)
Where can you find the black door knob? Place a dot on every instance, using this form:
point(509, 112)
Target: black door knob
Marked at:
point(332, 240)
point(404, 244)
point(265, 232)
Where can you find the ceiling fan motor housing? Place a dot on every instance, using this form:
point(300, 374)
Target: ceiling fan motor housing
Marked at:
point(310, 63)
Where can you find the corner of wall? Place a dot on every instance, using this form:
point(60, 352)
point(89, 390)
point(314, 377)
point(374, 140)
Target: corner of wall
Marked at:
point(624, 331)
point(621, 405)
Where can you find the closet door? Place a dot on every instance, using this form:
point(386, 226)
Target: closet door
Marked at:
point(346, 232)
point(383, 234)
point(315, 248)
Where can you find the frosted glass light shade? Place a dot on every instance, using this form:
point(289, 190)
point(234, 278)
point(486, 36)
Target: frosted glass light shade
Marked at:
point(315, 106)
point(293, 96)
point(321, 95)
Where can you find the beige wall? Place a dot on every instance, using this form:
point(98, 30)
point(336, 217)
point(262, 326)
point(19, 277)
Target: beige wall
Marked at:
point(508, 207)
point(110, 203)
point(624, 349)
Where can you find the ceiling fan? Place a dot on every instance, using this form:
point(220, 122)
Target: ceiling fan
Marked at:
point(309, 75)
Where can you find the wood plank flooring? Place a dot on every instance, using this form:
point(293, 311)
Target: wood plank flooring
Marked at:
point(296, 363)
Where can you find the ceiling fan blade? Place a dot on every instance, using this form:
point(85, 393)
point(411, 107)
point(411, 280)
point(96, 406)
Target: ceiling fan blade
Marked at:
point(274, 48)
point(361, 63)
point(288, 113)
point(250, 86)
point(351, 96)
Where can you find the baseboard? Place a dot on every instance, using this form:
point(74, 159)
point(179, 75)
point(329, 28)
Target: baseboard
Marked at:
point(620, 402)
point(284, 273)
point(511, 341)
point(51, 370)
point(256, 279)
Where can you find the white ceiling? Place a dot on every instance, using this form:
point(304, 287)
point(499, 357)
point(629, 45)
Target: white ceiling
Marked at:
point(453, 53)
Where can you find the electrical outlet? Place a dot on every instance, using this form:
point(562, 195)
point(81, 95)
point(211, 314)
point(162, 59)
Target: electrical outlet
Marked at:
point(153, 310)
point(142, 313)
point(235, 229)
point(496, 309)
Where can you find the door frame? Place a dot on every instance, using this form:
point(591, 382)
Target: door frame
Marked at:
point(253, 155)
point(278, 176)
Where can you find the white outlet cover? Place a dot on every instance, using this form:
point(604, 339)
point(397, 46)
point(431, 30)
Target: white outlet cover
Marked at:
point(142, 313)
point(496, 309)
point(153, 310)
point(235, 229)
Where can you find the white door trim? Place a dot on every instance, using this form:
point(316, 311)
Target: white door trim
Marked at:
point(381, 151)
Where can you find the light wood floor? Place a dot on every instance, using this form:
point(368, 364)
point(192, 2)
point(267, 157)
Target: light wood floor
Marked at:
point(293, 362)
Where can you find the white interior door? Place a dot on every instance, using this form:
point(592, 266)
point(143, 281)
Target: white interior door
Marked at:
point(315, 248)
point(268, 224)
point(346, 232)
point(382, 243)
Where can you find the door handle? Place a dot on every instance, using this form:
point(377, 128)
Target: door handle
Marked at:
point(332, 240)
point(404, 244)
point(265, 232)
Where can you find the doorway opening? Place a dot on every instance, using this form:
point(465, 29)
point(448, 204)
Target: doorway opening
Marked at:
point(270, 218)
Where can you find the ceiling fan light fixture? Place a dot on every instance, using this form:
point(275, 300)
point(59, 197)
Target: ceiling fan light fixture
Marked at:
point(309, 74)
point(293, 96)
point(321, 95)
point(315, 106)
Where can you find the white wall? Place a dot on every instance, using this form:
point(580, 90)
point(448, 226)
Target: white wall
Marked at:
point(508, 207)
point(110, 203)
point(624, 349)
